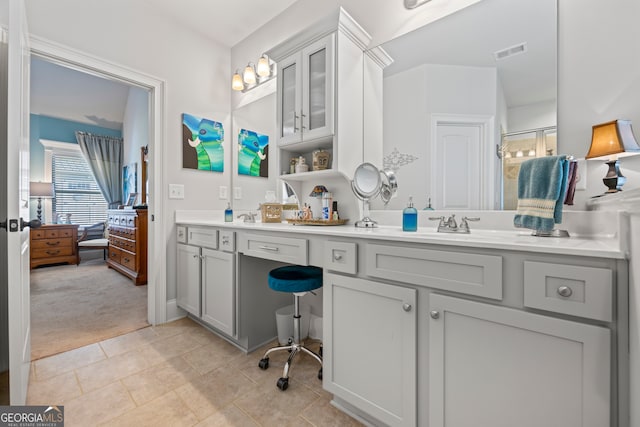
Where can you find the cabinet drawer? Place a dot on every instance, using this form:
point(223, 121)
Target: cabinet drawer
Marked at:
point(114, 254)
point(283, 249)
point(51, 252)
point(37, 234)
point(341, 256)
point(227, 241)
point(467, 273)
point(201, 236)
point(51, 243)
point(128, 260)
point(569, 289)
point(51, 234)
point(181, 234)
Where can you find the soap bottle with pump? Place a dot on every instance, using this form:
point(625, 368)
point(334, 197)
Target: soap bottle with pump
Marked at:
point(228, 213)
point(410, 217)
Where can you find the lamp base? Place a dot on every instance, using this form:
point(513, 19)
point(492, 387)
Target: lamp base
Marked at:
point(614, 180)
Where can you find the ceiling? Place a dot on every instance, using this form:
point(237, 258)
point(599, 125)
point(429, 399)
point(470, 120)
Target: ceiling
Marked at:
point(64, 93)
point(471, 36)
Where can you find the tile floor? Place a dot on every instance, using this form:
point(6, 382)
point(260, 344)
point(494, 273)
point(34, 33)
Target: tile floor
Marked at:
point(179, 374)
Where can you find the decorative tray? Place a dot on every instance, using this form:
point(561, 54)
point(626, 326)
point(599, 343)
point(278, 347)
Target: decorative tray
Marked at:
point(317, 221)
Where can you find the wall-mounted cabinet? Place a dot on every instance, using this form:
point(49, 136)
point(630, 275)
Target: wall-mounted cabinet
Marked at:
point(312, 114)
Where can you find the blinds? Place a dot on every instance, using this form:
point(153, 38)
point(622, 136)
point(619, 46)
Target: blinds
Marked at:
point(76, 190)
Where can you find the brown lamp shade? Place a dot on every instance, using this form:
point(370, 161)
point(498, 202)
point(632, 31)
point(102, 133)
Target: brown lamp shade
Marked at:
point(613, 139)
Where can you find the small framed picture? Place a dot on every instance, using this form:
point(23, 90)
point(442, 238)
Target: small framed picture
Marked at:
point(132, 199)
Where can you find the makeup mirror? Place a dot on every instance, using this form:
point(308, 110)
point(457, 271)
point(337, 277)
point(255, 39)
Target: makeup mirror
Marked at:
point(367, 183)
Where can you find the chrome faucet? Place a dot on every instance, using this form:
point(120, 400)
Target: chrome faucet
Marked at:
point(451, 226)
point(248, 217)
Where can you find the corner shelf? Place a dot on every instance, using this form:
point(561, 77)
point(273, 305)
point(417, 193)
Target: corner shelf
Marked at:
point(313, 175)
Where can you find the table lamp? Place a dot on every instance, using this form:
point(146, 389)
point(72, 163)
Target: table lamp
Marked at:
point(611, 141)
point(41, 190)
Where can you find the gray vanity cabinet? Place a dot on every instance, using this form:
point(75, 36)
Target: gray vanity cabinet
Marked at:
point(370, 347)
point(188, 287)
point(508, 367)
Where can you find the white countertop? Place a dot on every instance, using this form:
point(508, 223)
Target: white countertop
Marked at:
point(517, 239)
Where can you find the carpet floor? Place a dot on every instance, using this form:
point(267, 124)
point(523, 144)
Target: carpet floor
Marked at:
point(73, 306)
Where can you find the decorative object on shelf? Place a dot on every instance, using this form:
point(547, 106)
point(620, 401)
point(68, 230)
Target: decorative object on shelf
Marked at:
point(301, 165)
point(129, 180)
point(202, 147)
point(292, 165)
point(367, 183)
point(253, 76)
point(395, 160)
point(321, 160)
point(41, 190)
point(317, 221)
point(611, 141)
point(253, 153)
point(318, 191)
point(131, 200)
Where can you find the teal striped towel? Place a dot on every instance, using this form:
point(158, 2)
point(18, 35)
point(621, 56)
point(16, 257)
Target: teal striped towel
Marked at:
point(542, 183)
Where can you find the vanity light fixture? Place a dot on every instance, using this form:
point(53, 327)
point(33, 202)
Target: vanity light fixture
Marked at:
point(519, 153)
point(253, 76)
point(611, 141)
point(532, 153)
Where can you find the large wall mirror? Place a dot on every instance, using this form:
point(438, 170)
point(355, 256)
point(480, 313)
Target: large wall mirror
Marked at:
point(467, 99)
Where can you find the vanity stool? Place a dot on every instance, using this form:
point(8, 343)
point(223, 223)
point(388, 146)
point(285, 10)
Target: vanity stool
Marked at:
point(298, 280)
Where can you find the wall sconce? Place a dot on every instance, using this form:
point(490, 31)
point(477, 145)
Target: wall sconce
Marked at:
point(253, 76)
point(41, 190)
point(610, 141)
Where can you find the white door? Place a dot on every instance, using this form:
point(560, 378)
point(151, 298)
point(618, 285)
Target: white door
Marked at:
point(188, 286)
point(15, 180)
point(457, 165)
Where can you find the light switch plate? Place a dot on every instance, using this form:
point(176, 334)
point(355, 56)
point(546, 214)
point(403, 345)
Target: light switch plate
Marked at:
point(237, 193)
point(176, 191)
point(222, 192)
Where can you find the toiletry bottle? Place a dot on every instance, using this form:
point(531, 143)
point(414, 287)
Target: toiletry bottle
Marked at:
point(334, 211)
point(326, 206)
point(428, 207)
point(228, 214)
point(410, 217)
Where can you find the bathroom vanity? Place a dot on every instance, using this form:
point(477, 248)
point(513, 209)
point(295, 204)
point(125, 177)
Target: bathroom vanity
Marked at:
point(494, 327)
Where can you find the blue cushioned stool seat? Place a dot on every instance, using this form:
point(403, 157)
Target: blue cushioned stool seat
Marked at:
point(295, 278)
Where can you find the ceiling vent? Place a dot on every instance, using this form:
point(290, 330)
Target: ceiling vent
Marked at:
point(510, 51)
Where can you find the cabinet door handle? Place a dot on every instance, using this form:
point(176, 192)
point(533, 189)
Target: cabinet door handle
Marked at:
point(295, 118)
point(53, 252)
point(302, 120)
point(196, 256)
point(337, 257)
point(406, 306)
point(565, 291)
point(56, 243)
point(434, 314)
point(270, 248)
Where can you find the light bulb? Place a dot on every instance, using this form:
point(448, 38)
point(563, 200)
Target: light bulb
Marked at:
point(263, 69)
point(507, 155)
point(519, 153)
point(249, 75)
point(236, 82)
point(532, 153)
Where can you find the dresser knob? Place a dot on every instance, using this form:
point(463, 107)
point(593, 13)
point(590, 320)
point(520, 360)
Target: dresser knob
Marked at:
point(565, 291)
point(406, 306)
point(434, 314)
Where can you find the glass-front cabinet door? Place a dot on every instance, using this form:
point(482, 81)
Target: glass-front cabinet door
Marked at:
point(305, 93)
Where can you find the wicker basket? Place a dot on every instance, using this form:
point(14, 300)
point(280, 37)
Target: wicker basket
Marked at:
point(271, 212)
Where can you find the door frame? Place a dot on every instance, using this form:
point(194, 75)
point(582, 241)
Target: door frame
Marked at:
point(157, 252)
point(487, 162)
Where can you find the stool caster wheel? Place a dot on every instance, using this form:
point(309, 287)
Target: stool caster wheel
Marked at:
point(320, 374)
point(283, 383)
point(263, 363)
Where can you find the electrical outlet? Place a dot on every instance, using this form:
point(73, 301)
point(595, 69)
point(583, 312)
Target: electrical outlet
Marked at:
point(222, 192)
point(237, 193)
point(176, 191)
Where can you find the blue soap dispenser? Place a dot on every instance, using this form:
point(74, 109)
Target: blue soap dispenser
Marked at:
point(228, 214)
point(410, 217)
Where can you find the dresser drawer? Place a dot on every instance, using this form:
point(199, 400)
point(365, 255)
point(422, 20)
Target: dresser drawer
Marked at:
point(114, 254)
point(341, 256)
point(203, 236)
point(569, 289)
point(51, 243)
point(128, 260)
point(37, 234)
point(51, 252)
point(467, 273)
point(283, 249)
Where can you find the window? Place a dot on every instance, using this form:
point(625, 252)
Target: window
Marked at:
point(76, 190)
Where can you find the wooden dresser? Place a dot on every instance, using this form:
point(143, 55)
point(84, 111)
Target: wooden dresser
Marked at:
point(54, 244)
point(128, 243)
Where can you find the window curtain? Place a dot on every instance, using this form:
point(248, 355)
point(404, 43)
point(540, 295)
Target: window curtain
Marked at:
point(104, 155)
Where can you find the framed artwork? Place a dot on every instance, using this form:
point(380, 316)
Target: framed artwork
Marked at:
point(253, 153)
point(202, 147)
point(131, 200)
point(129, 180)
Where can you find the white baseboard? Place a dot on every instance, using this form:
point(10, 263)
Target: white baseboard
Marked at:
point(173, 311)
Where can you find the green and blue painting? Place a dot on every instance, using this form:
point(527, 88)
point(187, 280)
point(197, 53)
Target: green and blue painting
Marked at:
point(202, 147)
point(253, 153)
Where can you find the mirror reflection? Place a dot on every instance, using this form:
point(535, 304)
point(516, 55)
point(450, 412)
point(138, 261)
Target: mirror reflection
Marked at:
point(466, 100)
